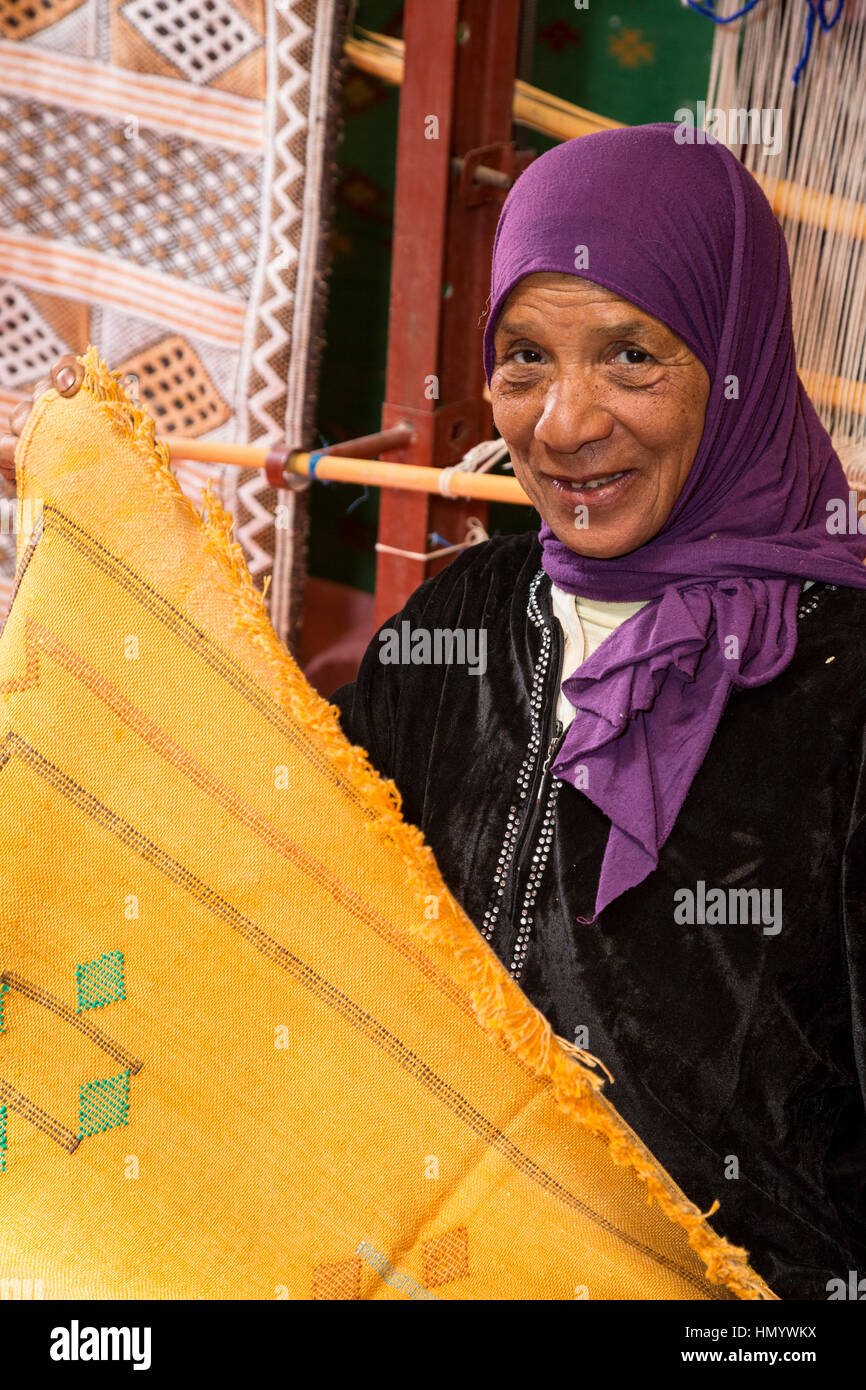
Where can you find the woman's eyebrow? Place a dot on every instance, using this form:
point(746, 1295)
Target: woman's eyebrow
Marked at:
point(624, 329)
point(516, 326)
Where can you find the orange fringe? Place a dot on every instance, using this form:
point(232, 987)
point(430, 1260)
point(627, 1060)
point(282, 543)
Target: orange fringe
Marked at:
point(498, 1002)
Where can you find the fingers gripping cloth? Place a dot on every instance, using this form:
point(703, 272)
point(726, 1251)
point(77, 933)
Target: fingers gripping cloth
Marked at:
point(251, 1047)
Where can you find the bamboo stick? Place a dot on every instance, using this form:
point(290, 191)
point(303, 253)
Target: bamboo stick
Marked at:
point(835, 391)
point(489, 487)
point(562, 120)
point(550, 115)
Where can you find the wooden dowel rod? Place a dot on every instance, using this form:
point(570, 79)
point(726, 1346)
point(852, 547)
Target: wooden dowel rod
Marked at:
point(212, 451)
point(489, 487)
point(836, 391)
point(483, 174)
point(372, 444)
point(550, 115)
point(254, 456)
point(364, 446)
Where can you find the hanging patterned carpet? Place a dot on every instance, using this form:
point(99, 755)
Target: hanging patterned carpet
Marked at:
point(165, 182)
point(250, 1047)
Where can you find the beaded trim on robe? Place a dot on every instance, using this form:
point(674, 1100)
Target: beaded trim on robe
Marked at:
point(809, 602)
point(517, 813)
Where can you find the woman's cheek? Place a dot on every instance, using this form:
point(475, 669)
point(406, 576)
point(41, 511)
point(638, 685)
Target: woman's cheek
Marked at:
point(514, 418)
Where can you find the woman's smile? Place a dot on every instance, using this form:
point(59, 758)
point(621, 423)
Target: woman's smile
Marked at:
point(594, 492)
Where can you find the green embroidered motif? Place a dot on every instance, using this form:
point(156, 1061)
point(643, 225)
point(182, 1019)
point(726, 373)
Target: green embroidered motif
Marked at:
point(3, 989)
point(104, 1104)
point(3, 1136)
point(101, 981)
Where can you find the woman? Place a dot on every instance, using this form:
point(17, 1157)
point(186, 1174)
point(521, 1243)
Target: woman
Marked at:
point(653, 801)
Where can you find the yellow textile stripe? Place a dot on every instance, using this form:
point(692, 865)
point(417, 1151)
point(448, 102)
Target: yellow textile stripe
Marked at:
point(310, 1077)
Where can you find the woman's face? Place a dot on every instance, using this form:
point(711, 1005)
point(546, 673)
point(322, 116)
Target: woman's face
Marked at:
point(586, 388)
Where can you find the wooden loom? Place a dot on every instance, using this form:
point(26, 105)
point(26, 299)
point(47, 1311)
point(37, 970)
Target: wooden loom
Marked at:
point(445, 203)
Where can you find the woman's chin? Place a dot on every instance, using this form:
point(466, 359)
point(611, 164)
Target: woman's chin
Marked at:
point(598, 543)
point(600, 523)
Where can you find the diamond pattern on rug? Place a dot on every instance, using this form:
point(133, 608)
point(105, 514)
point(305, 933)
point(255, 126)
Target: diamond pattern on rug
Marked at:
point(100, 981)
point(174, 387)
point(201, 37)
point(161, 201)
point(104, 1104)
point(340, 1280)
point(20, 21)
point(123, 335)
point(28, 345)
point(445, 1257)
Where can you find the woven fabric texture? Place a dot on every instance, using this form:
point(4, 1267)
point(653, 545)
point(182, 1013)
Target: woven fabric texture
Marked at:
point(251, 1047)
point(166, 192)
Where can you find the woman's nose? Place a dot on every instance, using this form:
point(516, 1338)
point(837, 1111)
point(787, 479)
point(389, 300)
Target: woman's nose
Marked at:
point(573, 414)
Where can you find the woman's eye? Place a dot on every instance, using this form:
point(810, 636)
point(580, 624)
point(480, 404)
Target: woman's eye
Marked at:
point(533, 352)
point(632, 354)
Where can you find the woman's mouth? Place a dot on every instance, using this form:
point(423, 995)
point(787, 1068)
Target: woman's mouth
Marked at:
point(605, 489)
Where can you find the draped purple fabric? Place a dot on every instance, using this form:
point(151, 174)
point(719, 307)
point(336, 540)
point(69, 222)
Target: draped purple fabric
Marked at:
point(685, 233)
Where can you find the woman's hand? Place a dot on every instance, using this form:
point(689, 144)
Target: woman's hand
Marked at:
point(66, 376)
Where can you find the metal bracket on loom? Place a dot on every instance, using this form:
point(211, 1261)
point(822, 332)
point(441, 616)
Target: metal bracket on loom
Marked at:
point(487, 172)
point(366, 446)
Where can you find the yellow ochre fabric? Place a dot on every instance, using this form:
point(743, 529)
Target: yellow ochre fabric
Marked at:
point(251, 1046)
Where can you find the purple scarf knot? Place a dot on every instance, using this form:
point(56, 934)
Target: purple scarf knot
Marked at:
point(683, 655)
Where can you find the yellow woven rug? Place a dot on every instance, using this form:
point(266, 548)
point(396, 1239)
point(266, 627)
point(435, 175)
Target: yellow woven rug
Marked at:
point(251, 1047)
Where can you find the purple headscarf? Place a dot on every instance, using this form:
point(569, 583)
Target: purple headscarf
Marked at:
point(685, 233)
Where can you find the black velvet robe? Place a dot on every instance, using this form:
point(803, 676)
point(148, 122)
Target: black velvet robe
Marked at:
point(734, 1050)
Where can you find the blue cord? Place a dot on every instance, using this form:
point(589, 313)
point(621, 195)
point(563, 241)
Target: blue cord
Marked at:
point(807, 46)
point(314, 459)
point(828, 23)
point(710, 13)
point(816, 11)
point(358, 500)
point(329, 482)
